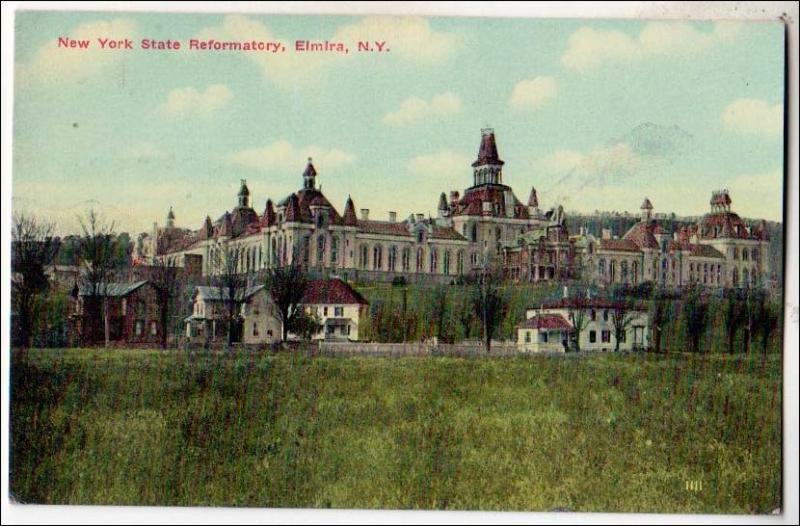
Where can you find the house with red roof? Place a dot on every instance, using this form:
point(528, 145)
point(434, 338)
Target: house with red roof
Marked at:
point(337, 306)
point(551, 327)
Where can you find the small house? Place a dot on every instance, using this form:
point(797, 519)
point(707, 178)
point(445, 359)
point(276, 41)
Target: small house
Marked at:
point(337, 306)
point(256, 320)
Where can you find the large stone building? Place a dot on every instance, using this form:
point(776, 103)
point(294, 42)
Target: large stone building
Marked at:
point(720, 250)
point(486, 223)
point(305, 227)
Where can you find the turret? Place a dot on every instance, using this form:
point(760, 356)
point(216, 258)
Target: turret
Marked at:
point(244, 195)
point(309, 176)
point(647, 210)
point(444, 209)
point(171, 218)
point(533, 203)
point(488, 168)
point(349, 218)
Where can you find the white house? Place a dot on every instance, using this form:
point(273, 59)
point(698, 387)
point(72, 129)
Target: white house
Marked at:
point(259, 322)
point(337, 306)
point(557, 320)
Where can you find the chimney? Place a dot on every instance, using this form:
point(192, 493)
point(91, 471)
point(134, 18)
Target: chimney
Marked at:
point(365, 214)
point(392, 216)
point(606, 233)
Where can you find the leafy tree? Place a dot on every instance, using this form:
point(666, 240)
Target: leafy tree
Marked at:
point(97, 261)
point(305, 324)
point(34, 248)
point(770, 319)
point(287, 286)
point(438, 311)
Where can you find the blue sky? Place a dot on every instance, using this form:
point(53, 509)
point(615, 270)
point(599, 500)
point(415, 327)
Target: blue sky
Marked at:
point(594, 114)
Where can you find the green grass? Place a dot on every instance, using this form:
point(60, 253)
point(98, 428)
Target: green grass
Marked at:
point(601, 433)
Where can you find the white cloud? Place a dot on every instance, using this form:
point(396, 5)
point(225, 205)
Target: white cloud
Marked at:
point(143, 151)
point(283, 156)
point(410, 38)
point(560, 161)
point(189, 101)
point(588, 48)
point(415, 109)
point(758, 195)
point(440, 165)
point(753, 116)
point(532, 93)
point(52, 63)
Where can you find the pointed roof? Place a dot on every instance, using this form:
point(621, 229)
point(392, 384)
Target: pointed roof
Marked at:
point(646, 204)
point(171, 214)
point(269, 214)
point(310, 171)
point(350, 218)
point(292, 209)
point(487, 153)
point(442, 202)
point(243, 190)
point(533, 200)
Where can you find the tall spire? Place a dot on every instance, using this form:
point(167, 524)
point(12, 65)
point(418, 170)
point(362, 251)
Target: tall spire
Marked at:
point(244, 195)
point(309, 176)
point(487, 169)
point(171, 218)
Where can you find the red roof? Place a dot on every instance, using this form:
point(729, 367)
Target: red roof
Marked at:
point(330, 291)
point(620, 245)
point(546, 321)
point(487, 153)
point(723, 224)
point(349, 218)
point(471, 204)
point(642, 234)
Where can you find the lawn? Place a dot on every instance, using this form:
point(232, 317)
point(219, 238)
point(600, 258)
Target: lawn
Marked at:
point(598, 433)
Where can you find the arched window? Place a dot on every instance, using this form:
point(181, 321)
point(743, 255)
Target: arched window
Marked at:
point(363, 255)
point(377, 257)
point(406, 259)
point(635, 272)
point(321, 249)
point(447, 263)
point(601, 267)
point(420, 236)
point(745, 254)
point(420, 259)
point(623, 268)
point(474, 233)
point(473, 259)
point(334, 251)
point(392, 258)
point(460, 263)
point(745, 277)
point(612, 270)
point(735, 277)
point(274, 254)
point(434, 261)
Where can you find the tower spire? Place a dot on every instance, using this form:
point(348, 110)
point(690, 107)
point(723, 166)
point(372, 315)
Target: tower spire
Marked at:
point(488, 167)
point(309, 176)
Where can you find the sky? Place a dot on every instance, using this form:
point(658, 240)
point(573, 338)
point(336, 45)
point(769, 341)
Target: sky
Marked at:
point(596, 115)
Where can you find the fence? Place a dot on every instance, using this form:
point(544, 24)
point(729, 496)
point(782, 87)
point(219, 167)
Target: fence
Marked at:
point(415, 349)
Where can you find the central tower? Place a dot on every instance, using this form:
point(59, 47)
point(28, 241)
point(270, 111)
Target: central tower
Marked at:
point(488, 168)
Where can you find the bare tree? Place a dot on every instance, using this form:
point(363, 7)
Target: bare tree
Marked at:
point(439, 311)
point(658, 314)
point(33, 248)
point(695, 309)
point(98, 259)
point(230, 281)
point(577, 316)
point(165, 277)
point(732, 315)
point(620, 320)
point(287, 286)
point(489, 304)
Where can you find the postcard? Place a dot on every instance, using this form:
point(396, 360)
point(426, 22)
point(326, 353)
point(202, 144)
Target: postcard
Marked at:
point(397, 262)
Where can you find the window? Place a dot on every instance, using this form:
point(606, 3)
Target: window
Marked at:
point(124, 306)
point(406, 259)
point(255, 329)
point(325, 311)
point(447, 263)
point(392, 258)
point(601, 267)
point(592, 336)
point(544, 337)
point(338, 312)
point(334, 250)
point(606, 336)
point(321, 250)
point(605, 315)
point(474, 234)
point(377, 257)
point(362, 256)
point(527, 336)
point(153, 328)
point(623, 336)
point(434, 261)
point(420, 259)
point(460, 263)
point(593, 315)
point(420, 236)
point(139, 328)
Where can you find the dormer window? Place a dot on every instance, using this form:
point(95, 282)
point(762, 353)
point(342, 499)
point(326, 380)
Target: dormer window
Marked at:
point(420, 236)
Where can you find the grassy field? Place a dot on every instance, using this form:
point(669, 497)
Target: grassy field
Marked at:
point(599, 433)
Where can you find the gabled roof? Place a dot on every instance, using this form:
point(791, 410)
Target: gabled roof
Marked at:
point(332, 291)
point(704, 251)
point(112, 289)
point(219, 293)
point(620, 245)
point(546, 321)
point(646, 204)
point(349, 218)
point(642, 234)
